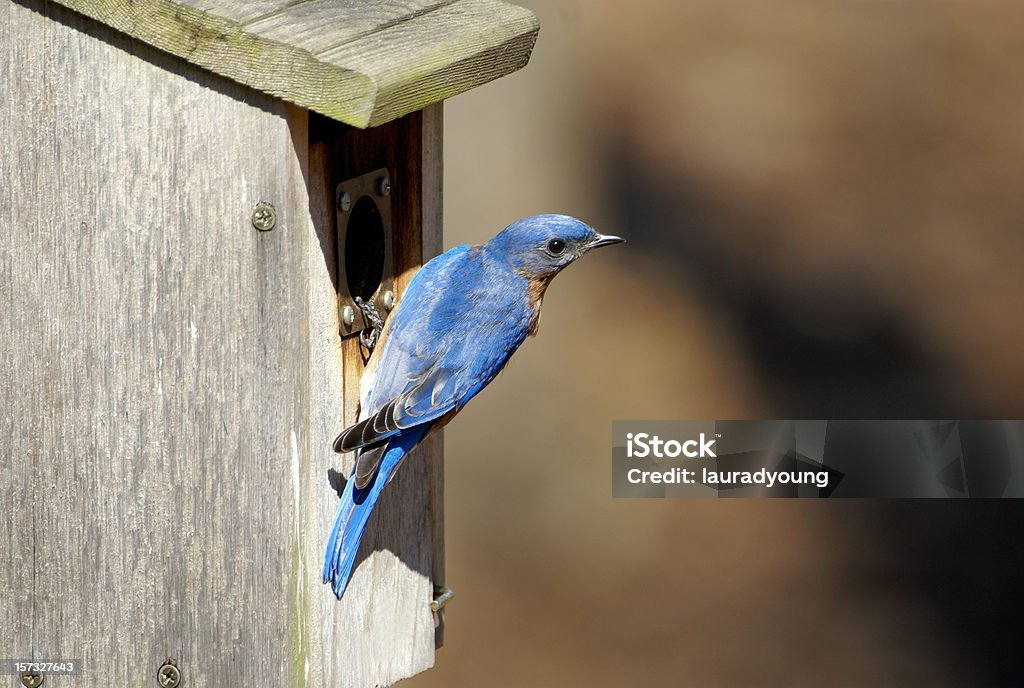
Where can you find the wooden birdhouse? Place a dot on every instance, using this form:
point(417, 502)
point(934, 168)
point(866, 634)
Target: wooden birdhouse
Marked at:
point(204, 207)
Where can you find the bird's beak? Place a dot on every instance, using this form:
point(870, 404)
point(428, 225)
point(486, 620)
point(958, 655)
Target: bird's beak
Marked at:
point(605, 240)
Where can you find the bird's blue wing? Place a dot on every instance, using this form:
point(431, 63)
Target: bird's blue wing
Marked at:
point(453, 331)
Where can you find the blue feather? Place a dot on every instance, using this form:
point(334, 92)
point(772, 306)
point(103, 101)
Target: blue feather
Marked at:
point(354, 511)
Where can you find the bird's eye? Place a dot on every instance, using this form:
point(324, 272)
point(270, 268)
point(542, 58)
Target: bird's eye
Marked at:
point(556, 246)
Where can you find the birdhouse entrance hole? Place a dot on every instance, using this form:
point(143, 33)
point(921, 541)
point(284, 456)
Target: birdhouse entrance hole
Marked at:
point(365, 247)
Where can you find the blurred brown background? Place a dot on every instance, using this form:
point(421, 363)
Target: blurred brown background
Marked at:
point(823, 208)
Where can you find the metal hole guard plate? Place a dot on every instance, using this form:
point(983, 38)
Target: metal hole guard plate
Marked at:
point(376, 186)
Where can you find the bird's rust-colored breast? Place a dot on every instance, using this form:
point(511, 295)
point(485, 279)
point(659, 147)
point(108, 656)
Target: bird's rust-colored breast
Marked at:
point(535, 289)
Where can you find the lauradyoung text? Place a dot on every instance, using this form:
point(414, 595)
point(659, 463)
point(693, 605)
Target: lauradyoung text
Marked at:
point(710, 476)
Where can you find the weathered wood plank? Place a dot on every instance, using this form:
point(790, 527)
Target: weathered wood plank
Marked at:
point(17, 537)
point(327, 388)
point(314, 25)
point(362, 62)
point(387, 601)
point(155, 345)
point(243, 11)
point(432, 166)
point(435, 56)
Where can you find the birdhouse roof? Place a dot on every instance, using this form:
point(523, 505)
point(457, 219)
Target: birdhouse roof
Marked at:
point(363, 62)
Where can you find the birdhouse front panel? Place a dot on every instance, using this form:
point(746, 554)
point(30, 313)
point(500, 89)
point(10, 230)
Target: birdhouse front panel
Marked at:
point(156, 360)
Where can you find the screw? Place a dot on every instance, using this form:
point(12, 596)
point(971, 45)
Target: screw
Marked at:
point(168, 676)
point(264, 217)
point(384, 186)
point(31, 679)
point(348, 316)
point(344, 201)
point(442, 596)
point(388, 299)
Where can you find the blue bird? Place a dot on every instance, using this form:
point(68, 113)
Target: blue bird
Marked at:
point(463, 316)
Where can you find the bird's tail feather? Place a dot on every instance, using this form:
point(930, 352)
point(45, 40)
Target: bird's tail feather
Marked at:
point(354, 513)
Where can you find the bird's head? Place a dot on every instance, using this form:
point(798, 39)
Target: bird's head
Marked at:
point(539, 247)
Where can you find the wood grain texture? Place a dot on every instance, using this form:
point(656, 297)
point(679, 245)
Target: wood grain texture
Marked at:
point(17, 461)
point(171, 379)
point(432, 166)
point(317, 26)
point(383, 626)
point(362, 62)
point(154, 368)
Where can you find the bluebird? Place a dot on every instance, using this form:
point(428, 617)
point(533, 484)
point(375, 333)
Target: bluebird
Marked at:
point(463, 316)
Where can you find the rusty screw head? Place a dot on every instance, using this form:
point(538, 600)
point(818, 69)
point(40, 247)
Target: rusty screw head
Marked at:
point(344, 201)
point(384, 186)
point(31, 679)
point(168, 676)
point(264, 217)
